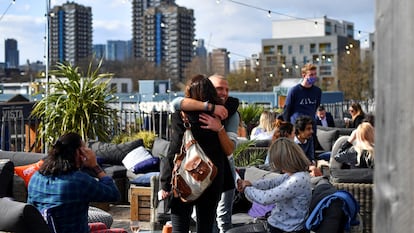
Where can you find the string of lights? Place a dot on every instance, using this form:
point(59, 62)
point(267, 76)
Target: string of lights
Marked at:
point(7, 9)
point(269, 12)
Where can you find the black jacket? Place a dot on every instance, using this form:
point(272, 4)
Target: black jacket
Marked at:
point(329, 120)
point(209, 141)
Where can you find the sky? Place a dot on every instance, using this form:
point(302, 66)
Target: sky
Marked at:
point(237, 25)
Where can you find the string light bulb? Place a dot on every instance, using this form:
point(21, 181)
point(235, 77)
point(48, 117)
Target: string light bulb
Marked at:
point(269, 12)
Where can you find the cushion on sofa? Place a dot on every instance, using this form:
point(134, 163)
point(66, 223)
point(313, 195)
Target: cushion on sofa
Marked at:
point(144, 179)
point(6, 177)
point(160, 147)
point(114, 153)
point(20, 217)
point(326, 138)
point(26, 171)
point(136, 156)
point(149, 165)
point(357, 175)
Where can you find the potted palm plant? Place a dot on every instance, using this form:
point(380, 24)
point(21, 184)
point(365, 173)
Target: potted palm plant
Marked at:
point(76, 102)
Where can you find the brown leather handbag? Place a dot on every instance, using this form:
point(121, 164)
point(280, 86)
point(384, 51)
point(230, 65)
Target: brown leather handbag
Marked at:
point(193, 170)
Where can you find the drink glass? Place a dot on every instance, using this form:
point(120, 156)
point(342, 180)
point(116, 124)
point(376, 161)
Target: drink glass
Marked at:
point(134, 224)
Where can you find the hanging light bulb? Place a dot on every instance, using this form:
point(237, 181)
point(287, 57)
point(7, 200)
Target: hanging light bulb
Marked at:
point(218, 1)
point(269, 14)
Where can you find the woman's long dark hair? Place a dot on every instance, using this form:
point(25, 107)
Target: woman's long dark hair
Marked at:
point(61, 158)
point(201, 88)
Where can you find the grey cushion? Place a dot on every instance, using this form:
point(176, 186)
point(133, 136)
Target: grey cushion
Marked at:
point(160, 147)
point(114, 153)
point(327, 138)
point(357, 175)
point(20, 217)
point(342, 131)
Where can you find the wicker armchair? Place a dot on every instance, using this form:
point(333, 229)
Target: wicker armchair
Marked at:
point(363, 193)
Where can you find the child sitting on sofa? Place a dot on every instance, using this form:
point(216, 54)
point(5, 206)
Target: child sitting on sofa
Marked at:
point(290, 192)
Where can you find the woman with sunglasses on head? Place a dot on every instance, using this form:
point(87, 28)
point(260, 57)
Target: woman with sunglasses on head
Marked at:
point(357, 115)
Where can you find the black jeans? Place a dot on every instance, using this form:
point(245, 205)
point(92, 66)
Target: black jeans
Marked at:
point(206, 207)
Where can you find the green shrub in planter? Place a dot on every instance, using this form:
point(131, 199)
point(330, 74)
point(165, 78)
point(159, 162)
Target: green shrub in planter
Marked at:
point(147, 136)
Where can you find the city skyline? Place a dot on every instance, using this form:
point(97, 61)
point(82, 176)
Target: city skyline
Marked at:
point(238, 26)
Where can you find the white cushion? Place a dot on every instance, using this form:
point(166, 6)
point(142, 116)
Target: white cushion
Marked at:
point(137, 155)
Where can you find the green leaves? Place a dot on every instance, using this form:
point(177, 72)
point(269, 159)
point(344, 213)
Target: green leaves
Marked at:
point(250, 113)
point(76, 103)
point(246, 154)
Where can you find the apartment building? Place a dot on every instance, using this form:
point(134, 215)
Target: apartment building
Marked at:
point(70, 33)
point(294, 43)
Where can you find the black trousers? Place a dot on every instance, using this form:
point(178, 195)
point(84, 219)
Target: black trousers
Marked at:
point(205, 206)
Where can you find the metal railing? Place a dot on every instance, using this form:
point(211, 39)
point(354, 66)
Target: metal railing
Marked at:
point(20, 134)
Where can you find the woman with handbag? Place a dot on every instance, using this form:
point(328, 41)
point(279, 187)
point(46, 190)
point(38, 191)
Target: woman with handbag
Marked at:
point(199, 88)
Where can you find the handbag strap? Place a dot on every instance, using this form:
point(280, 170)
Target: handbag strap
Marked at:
point(184, 117)
point(187, 126)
